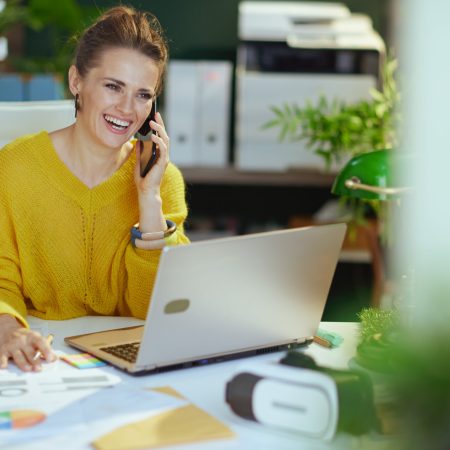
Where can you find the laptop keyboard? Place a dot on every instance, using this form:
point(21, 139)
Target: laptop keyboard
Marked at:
point(128, 352)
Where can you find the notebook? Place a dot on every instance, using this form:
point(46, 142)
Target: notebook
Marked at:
point(226, 298)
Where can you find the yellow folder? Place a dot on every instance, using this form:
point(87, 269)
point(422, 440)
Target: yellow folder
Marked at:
point(184, 425)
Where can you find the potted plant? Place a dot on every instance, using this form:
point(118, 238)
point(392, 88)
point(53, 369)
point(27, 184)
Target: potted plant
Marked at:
point(61, 22)
point(13, 12)
point(49, 27)
point(337, 131)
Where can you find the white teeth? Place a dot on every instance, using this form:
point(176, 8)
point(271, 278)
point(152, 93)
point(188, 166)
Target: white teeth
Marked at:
point(116, 121)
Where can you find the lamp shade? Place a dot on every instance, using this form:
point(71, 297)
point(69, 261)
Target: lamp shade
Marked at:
point(368, 176)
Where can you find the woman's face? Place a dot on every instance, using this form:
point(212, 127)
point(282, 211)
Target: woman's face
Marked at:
point(116, 95)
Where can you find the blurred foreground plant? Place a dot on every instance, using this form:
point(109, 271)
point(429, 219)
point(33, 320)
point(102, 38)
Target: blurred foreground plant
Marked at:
point(410, 370)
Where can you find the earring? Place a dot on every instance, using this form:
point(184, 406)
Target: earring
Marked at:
point(77, 104)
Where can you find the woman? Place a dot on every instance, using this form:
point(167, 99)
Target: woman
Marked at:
point(68, 199)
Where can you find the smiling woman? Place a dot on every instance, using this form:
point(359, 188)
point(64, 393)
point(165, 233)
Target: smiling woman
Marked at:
point(69, 198)
point(114, 99)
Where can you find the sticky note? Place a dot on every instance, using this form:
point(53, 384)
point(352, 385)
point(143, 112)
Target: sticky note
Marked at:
point(82, 361)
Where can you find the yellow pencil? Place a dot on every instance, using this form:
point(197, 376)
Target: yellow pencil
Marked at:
point(49, 340)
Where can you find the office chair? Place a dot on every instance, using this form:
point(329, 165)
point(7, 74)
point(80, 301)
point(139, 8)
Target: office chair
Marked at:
point(20, 118)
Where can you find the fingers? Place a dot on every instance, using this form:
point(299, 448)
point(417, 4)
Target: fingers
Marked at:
point(155, 175)
point(162, 147)
point(21, 347)
point(41, 347)
point(160, 129)
point(21, 360)
point(46, 351)
point(3, 361)
point(158, 126)
point(159, 119)
point(24, 355)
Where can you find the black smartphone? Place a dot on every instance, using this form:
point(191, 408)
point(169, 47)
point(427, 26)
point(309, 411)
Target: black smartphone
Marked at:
point(148, 154)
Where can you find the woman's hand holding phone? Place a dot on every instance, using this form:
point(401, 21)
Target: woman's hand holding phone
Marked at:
point(147, 153)
point(149, 187)
point(157, 145)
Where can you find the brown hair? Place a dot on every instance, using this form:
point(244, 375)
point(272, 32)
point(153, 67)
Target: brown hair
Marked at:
point(123, 27)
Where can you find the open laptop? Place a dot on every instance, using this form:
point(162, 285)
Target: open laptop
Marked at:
point(226, 298)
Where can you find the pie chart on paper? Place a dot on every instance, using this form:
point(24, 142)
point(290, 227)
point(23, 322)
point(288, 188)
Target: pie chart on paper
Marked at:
point(20, 418)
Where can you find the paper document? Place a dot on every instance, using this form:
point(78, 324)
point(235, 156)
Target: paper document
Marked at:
point(80, 422)
point(68, 408)
point(29, 400)
point(183, 425)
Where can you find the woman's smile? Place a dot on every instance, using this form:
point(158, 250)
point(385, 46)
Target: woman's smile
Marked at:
point(116, 125)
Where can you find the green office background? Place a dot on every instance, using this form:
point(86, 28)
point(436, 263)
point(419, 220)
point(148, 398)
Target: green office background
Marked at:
point(196, 29)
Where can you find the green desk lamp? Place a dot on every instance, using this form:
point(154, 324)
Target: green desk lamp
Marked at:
point(369, 176)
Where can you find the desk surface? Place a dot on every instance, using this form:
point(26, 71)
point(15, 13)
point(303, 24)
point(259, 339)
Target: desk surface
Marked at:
point(205, 385)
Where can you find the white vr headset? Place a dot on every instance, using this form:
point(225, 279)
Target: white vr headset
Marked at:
point(313, 401)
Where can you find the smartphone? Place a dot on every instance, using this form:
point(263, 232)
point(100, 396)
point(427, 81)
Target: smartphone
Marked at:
point(148, 154)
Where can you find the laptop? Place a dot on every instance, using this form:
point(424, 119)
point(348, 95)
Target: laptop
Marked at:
point(227, 298)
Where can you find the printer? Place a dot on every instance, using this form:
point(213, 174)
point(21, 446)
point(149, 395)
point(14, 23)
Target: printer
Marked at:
point(293, 52)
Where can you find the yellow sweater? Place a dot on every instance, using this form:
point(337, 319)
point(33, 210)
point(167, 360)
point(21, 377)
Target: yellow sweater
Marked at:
point(65, 248)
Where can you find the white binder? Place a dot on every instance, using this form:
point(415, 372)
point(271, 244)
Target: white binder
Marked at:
point(214, 108)
point(181, 98)
point(197, 112)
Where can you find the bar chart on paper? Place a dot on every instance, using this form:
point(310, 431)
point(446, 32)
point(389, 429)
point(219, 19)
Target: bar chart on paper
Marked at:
point(20, 418)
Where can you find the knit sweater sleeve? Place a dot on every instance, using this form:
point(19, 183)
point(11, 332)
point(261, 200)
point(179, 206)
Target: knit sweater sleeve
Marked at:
point(141, 265)
point(11, 293)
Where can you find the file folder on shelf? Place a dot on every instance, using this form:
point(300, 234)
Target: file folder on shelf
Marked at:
point(197, 111)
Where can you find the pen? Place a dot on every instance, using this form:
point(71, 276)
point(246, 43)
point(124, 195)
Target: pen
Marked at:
point(38, 354)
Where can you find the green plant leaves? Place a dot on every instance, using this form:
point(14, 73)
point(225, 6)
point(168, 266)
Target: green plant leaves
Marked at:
point(15, 13)
point(65, 15)
point(332, 128)
point(335, 130)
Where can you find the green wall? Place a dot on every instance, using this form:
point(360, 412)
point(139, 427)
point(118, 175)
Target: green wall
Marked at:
point(197, 29)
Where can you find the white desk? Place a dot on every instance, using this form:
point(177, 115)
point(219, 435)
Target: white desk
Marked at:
point(205, 386)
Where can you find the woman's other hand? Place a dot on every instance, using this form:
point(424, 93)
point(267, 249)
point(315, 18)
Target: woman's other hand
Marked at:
point(21, 344)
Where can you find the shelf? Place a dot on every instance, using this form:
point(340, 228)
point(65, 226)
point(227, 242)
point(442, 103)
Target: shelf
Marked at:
point(231, 175)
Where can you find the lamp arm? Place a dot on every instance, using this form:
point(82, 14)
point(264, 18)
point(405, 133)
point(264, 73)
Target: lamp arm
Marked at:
point(355, 184)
